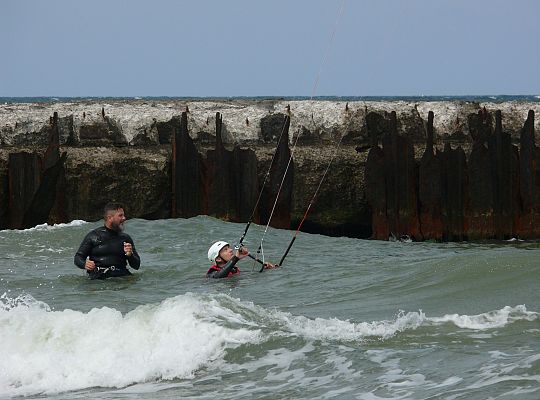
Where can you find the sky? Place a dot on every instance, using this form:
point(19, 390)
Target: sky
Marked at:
point(229, 48)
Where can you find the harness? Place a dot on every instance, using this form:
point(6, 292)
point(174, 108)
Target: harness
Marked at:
point(108, 272)
point(99, 272)
point(104, 270)
point(215, 268)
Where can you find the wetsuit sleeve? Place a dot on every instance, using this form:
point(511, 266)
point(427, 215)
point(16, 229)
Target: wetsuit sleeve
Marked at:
point(84, 250)
point(224, 272)
point(134, 260)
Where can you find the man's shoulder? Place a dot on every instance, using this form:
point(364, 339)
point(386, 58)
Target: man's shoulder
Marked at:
point(124, 235)
point(97, 233)
point(94, 231)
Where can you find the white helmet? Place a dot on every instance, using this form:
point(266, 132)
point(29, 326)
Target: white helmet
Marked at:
point(214, 250)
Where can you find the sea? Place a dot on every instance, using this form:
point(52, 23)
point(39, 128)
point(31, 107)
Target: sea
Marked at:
point(342, 318)
point(415, 98)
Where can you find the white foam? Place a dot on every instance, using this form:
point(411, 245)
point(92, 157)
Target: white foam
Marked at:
point(24, 300)
point(489, 320)
point(71, 350)
point(514, 239)
point(47, 227)
point(335, 329)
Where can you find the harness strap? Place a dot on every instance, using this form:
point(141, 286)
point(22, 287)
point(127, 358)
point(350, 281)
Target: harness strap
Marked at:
point(216, 268)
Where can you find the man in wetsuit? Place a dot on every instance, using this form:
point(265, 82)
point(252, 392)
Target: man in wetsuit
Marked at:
point(225, 258)
point(106, 250)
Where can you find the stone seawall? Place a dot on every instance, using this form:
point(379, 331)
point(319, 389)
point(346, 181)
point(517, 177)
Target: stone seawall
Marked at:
point(135, 152)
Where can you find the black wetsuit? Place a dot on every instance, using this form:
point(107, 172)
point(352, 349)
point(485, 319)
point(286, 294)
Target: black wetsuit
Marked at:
point(106, 248)
point(229, 269)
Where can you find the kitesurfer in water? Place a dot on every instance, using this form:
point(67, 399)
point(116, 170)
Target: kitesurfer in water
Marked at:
point(106, 251)
point(224, 259)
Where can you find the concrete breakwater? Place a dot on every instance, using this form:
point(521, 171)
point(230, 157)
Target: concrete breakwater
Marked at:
point(464, 171)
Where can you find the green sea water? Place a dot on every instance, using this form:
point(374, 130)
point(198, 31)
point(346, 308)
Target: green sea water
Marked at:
point(342, 319)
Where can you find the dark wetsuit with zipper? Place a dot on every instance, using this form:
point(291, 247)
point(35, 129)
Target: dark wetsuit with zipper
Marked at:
point(228, 270)
point(105, 247)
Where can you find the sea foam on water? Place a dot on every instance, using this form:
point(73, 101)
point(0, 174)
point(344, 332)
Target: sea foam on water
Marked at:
point(46, 351)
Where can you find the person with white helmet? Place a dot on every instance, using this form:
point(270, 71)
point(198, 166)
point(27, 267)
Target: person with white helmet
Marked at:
point(224, 259)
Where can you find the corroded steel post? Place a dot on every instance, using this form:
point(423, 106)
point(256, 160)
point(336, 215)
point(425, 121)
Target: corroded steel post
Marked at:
point(429, 189)
point(187, 173)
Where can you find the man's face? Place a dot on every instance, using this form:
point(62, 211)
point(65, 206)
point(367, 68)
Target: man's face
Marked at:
point(116, 220)
point(226, 253)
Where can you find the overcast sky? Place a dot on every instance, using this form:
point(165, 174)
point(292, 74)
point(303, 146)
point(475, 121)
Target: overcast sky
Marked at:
point(269, 48)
